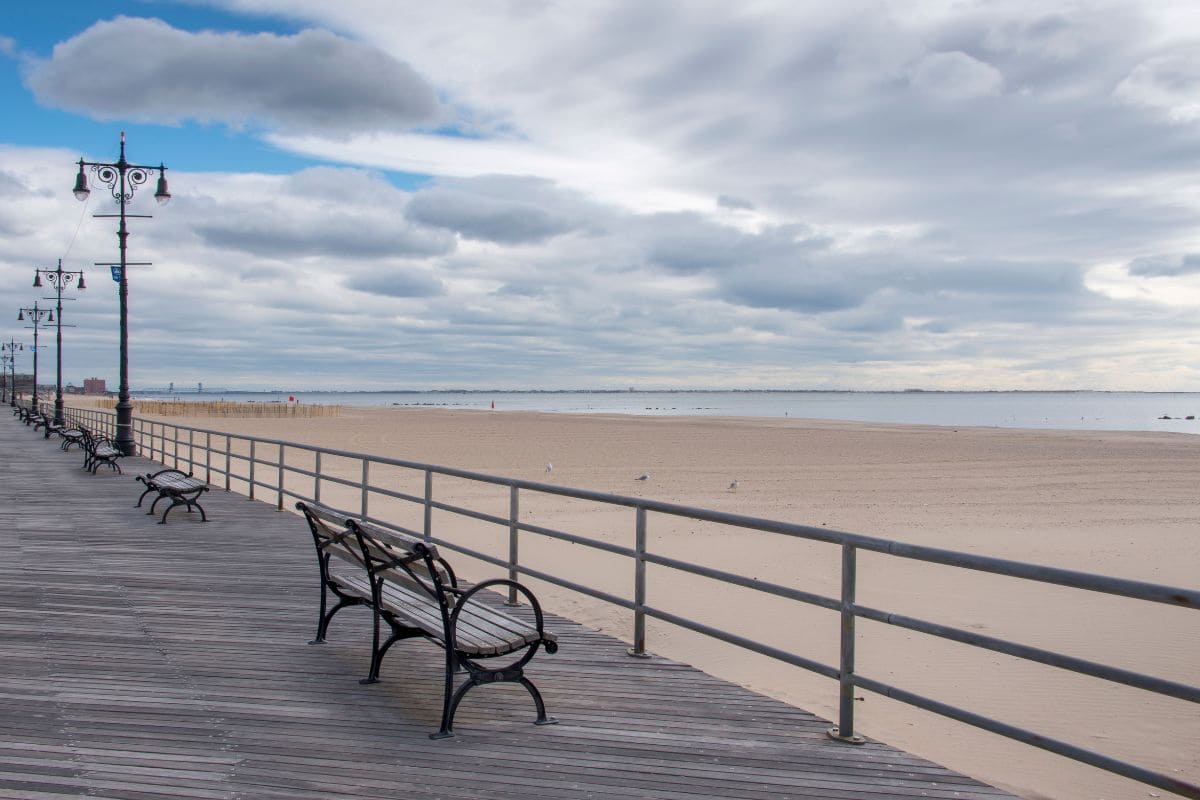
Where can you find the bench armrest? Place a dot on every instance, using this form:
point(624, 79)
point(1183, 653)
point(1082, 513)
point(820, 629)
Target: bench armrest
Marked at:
point(465, 597)
point(452, 579)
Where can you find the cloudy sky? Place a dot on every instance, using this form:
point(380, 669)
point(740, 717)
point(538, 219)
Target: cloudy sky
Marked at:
point(544, 194)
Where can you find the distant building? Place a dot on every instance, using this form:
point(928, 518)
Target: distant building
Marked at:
point(94, 386)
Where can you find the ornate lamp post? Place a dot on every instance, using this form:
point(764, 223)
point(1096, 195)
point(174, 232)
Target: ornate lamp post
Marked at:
point(36, 315)
point(9, 362)
point(58, 278)
point(123, 179)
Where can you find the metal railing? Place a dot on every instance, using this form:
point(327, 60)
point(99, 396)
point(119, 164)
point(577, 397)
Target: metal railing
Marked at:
point(102, 423)
point(262, 465)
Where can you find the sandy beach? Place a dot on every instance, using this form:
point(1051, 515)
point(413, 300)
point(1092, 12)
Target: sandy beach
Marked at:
point(1120, 504)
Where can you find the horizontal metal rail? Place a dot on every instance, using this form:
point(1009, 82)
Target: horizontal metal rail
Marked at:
point(1073, 752)
point(1048, 657)
point(261, 470)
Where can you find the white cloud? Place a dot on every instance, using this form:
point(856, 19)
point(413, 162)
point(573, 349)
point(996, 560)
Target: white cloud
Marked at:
point(314, 80)
point(955, 76)
point(628, 173)
point(1168, 83)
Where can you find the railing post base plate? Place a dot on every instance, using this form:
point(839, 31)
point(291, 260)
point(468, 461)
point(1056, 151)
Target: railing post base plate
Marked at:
point(633, 652)
point(836, 734)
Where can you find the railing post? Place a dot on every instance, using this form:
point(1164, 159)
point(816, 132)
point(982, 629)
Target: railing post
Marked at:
point(429, 505)
point(175, 447)
point(251, 471)
point(279, 505)
point(639, 589)
point(317, 478)
point(514, 510)
point(844, 730)
point(207, 457)
point(227, 476)
point(366, 476)
point(191, 459)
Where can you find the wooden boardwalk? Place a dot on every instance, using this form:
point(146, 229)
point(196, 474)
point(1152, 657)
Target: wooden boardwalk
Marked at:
point(141, 661)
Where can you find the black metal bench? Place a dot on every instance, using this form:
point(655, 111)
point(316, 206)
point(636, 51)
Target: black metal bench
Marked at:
point(179, 487)
point(45, 422)
point(408, 586)
point(70, 436)
point(99, 450)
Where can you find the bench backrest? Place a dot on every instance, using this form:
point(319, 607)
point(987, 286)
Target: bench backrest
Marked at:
point(89, 439)
point(331, 536)
point(404, 560)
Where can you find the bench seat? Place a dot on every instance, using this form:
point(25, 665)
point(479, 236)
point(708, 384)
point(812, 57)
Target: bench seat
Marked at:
point(482, 631)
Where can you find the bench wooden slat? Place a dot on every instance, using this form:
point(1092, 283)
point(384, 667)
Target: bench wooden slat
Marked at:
point(401, 542)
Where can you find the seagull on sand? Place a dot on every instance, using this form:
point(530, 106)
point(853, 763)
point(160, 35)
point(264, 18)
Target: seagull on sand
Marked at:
point(733, 486)
point(549, 467)
point(645, 476)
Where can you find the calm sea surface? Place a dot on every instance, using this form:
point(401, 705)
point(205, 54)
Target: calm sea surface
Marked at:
point(1133, 411)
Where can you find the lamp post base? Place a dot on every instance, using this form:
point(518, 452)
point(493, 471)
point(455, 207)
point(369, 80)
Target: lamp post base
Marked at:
point(123, 441)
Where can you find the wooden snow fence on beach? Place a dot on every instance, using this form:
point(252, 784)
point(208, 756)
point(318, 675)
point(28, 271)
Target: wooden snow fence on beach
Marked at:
point(228, 408)
point(401, 495)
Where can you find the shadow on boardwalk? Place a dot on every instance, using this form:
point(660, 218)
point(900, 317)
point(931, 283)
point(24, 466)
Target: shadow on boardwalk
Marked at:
point(144, 661)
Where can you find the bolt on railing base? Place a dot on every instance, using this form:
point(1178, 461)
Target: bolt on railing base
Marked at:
point(633, 652)
point(835, 733)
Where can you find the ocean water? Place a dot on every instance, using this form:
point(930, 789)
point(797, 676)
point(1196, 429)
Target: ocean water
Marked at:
point(1131, 411)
